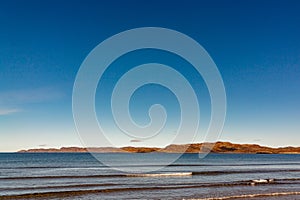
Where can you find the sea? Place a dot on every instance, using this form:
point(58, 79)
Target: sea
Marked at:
point(82, 176)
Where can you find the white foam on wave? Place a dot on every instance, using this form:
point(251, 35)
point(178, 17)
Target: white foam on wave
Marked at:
point(161, 174)
point(251, 196)
point(261, 181)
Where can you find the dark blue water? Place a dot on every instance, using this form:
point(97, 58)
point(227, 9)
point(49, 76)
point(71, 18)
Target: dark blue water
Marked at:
point(81, 176)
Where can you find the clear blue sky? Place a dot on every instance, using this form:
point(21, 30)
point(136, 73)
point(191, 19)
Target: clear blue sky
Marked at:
point(255, 45)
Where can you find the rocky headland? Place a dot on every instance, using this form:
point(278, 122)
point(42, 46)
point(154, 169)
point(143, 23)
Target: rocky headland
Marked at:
point(219, 147)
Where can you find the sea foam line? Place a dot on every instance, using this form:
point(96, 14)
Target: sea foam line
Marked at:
point(161, 174)
point(250, 196)
point(201, 173)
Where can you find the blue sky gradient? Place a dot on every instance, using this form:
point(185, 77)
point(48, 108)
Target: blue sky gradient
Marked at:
point(255, 45)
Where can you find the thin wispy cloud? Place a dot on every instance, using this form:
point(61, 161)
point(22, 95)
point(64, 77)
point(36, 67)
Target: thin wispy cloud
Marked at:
point(8, 111)
point(25, 96)
point(13, 101)
point(135, 140)
point(257, 140)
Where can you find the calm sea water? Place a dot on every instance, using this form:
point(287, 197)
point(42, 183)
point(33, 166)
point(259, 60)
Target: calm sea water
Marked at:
point(81, 176)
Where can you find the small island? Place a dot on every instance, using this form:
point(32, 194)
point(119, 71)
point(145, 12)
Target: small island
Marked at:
point(219, 147)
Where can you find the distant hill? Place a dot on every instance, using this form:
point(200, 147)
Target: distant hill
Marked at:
point(219, 147)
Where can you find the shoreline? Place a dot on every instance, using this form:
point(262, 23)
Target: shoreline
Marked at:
point(88, 152)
